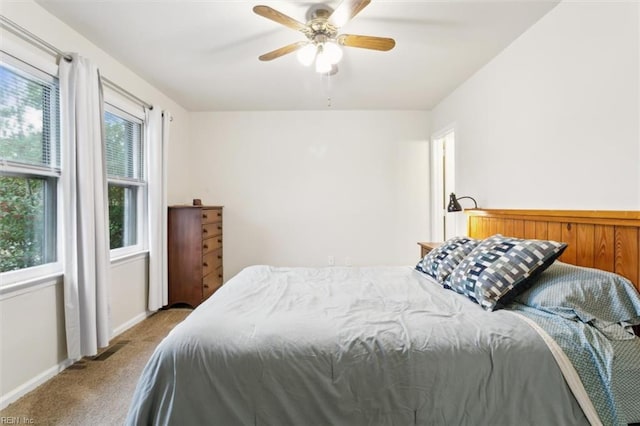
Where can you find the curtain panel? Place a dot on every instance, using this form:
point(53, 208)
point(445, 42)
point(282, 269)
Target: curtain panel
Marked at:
point(86, 218)
point(157, 133)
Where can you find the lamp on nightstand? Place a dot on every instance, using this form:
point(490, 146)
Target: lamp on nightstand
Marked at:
point(454, 205)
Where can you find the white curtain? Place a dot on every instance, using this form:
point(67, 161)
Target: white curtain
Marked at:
point(86, 219)
point(157, 143)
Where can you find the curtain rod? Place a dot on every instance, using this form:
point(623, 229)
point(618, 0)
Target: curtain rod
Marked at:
point(31, 37)
point(125, 92)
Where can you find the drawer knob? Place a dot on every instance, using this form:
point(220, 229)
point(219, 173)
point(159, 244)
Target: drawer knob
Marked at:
point(205, 264)
point(219, 256)
point(219, 226)
point(204, 216)
point(204, 230)
point(205, 246)
point(219, 240)
point(206, 286)
point(219, 214)
point(219, 275)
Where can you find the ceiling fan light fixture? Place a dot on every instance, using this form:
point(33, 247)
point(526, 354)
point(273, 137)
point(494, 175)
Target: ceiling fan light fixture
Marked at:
point(323, 65)
point(333, 52)
point(307, 54)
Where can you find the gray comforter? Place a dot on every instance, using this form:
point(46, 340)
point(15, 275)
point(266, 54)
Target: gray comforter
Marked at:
point(350, 346)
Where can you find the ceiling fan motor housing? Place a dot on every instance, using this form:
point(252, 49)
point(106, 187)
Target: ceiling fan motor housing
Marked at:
point(318, 28)
point(318, 11)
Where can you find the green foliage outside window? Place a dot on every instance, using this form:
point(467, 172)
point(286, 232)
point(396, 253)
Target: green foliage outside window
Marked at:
point(22, 223)
point(116, 216)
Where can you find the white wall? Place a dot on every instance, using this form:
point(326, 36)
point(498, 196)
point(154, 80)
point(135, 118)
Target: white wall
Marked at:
point(554, 120)
point(32, 337)
point(300, 186)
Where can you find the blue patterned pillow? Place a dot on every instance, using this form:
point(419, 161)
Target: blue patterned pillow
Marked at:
point(500, 268)
point(441, 261)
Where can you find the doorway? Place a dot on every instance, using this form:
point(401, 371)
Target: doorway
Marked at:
point(443, 225)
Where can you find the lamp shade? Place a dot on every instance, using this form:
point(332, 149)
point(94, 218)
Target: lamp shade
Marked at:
point(323, 65)
point(333, 52)
point(454, 205)
point(307, 54)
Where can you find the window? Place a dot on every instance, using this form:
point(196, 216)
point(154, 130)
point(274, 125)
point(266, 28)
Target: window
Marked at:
point(125, 173)
point(30, 165)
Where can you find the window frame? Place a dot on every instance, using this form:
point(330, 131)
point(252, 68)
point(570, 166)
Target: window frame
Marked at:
point(30, 67)
point(116, 106)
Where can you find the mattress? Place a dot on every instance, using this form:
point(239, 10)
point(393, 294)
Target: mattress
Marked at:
point(350, 346)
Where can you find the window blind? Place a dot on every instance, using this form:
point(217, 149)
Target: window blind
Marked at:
point(29, 118)
point(125, 159)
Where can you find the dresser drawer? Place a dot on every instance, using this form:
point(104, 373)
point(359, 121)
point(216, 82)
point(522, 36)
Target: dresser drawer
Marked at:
point(211, 244)
point(211, 282)
point(211, 261)
point(211, 230)
point(211, 215)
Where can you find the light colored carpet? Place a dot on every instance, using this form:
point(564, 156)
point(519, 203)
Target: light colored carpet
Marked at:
point(97, 391)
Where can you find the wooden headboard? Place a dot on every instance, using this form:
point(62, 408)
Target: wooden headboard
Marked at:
point(602, 239)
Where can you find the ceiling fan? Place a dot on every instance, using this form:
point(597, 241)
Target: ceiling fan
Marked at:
point(323, 41)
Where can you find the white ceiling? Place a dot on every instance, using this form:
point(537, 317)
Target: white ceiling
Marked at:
point(204, 53)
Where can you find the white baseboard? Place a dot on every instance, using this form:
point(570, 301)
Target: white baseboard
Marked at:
point(27, 387)
point(41, 378)
point(133, 321)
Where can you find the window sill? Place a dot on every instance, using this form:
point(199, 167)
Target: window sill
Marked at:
point(128, 257)
point(29, 285)
point(33, 273)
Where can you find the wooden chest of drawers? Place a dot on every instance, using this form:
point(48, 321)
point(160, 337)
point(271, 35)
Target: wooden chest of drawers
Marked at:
point(194, 253)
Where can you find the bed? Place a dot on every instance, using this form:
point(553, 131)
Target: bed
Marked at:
point(397, 346)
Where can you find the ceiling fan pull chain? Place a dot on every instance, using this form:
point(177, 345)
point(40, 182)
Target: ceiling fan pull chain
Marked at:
point(328, 76)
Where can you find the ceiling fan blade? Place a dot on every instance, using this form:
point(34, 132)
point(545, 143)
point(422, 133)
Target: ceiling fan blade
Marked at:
point(280, 18)
point(346, 11)
point(283, 51)
point(367, 42)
